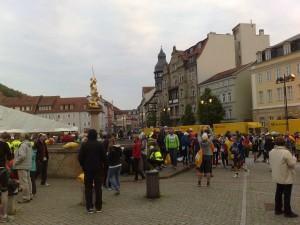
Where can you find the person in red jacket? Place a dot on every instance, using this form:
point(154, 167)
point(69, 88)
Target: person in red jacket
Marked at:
point(137, 156)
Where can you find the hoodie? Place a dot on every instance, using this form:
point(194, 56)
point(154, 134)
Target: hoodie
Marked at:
point(23, 156)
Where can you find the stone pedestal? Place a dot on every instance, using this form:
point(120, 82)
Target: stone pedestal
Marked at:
point(95, 121)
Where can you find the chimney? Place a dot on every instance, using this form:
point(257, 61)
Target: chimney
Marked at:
point(261, 31)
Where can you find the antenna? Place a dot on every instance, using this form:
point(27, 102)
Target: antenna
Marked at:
point(93, 70)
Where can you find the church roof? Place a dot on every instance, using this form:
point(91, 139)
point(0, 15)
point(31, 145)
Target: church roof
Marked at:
point(161, 61)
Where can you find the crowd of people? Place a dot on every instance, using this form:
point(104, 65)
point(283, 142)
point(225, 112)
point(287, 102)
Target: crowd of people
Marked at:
point(22, 159)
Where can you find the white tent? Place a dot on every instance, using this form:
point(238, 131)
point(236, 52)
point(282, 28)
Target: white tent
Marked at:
point(14, 121)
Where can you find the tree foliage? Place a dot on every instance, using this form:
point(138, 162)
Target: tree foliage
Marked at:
point(210, 109)
point(151, 119)
point(165, 119)
point(188, 118)
point(8, 92)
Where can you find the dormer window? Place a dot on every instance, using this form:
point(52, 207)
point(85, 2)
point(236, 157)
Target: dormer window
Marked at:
point(268, 54)
point(286, 48)
point(259, 57)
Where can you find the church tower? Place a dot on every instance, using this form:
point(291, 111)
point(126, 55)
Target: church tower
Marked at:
point(158, 70)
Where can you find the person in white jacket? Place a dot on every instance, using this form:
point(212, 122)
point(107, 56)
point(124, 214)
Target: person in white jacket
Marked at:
point(283, 172)
point(22, 163)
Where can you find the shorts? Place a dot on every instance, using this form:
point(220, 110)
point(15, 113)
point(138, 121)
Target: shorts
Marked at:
point(206, 165)
point(3, 180)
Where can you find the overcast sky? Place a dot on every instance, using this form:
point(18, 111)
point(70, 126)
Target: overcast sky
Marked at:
point(47, 47)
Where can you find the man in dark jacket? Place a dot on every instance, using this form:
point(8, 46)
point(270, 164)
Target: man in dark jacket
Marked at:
point(92, 159)
point(42, 158)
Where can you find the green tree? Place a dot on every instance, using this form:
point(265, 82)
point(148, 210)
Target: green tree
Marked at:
point(188, 118)
point(165, 119)
point(151, 119)
point(210, 109)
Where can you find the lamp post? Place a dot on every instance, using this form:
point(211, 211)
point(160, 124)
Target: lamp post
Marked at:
point(204, 102)
point(284, 80)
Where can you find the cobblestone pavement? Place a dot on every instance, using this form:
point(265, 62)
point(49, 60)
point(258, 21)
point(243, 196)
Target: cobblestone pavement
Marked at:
point(182, 202)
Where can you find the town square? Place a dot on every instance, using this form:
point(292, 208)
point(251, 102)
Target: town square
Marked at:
point(150, 112)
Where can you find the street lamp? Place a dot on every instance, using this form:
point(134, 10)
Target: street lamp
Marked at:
point(284, 80)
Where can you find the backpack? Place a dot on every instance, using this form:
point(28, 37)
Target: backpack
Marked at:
point(199, 158)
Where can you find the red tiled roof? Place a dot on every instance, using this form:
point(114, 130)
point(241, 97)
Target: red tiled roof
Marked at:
point(225, 74)
point(147, 89)
point(48, 100)
point(194, 50)
point(20, 101)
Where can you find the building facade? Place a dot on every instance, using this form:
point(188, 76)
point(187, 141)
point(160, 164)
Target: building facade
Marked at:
point(234, 92)
point(178, 82)
point(247, 42)
point(268, 96)
point(71, 111)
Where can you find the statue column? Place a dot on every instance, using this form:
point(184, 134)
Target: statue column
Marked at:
point(94, 106)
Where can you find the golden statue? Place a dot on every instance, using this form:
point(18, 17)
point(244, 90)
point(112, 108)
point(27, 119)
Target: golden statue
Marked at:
point(94, 99)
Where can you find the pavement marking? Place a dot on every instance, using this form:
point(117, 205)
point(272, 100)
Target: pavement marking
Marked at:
point(244, 201)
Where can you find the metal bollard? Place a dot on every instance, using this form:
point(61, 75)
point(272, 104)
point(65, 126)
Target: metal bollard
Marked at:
point(152, 184)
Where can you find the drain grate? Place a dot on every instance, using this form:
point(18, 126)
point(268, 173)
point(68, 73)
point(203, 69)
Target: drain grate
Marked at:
point(269, 206)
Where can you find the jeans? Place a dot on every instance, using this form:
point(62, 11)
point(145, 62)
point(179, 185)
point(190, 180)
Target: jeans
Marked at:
point(93, 178)
point(186, 155)
point(216, 158)
point(25, 184)
point(113, 177)
point(173, 155)
point(32, 177)
point(286, 190)
point(224, 158)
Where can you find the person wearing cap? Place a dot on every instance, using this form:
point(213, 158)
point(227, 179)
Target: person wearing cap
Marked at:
point(155, 158)
point(172, 145)
point(114, 167)
point(23, 163)
point(283, 173)
point(5, 156)
point(206, 167)
point(185, 143)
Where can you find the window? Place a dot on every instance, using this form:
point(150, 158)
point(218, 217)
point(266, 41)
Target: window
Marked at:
point(289, 92)
point(224, 98)
point(277, 73)
point(269, 94)
point(73, 124)
point(61, 107)
point(68, 115)
point(268, 54)
point(259, 57)
point(261, 97)
point(58, 116)
point(279, 94)
point(229, 113)
point(229, 97)
point(288, 70)
point(27, 108)
point(260, 78)
point(71, 107)
point(298, 68)
point(181, 93)
point(269, 75)
point(271, 118)
point(286, 48)
point(193, 92)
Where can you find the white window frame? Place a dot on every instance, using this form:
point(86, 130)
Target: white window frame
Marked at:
point(269, 95)
point(269, 75)
point(261, 97)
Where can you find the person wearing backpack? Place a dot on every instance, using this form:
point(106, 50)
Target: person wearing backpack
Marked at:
point(236, 156)
point(206, 166)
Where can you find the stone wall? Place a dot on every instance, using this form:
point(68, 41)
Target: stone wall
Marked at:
point(63, 163)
